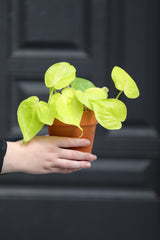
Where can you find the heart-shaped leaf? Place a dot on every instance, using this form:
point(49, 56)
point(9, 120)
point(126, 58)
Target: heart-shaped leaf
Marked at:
point(45, 113)
point(59, 75)
point(110, 113)
point(91, 94)
point(28, 118)
point(124, 82)
point(68, 109)
point(96, 93)
point(83, 98)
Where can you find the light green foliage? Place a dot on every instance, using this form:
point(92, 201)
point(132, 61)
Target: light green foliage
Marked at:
point(67, 105)
point(124, 82)
point(60, 75)
point(28, 118)
point(67, 108)
point(105, 89)
point(83, 99)
point(96, 93)
point(90, 94)
point(45, 113)
point(82, 84)
point(110, 113)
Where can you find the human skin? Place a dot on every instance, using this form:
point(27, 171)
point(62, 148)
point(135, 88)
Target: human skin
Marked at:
point(46, 154)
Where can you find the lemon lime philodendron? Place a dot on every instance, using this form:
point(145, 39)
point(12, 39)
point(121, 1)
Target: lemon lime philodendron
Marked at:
point(75, 96)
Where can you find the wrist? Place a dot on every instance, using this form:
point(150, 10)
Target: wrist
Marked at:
point(11, 162)
point(3, 148)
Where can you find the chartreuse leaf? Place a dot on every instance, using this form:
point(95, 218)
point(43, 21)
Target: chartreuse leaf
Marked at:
point(91, 94)
point(124, 82)
point(68, 109)
point(105, 89)
point(69, 93)
point(59, 75)
point(96, 93)
point(45, 113)
point(83, 98)
point(28, 118)
point(110, 113)
point(81, 84)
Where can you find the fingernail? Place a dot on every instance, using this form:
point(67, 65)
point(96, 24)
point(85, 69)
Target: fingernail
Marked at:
point(87, 142)
point(95, 157)
point(92, 157)
point(88, 164)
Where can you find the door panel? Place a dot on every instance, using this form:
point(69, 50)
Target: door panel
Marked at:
point(118, 197)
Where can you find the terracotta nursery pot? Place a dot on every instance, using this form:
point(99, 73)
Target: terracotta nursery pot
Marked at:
point(88, 124)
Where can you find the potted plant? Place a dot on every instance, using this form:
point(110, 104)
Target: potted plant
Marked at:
point(71, 101)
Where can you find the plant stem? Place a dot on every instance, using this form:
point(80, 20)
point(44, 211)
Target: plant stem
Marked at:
point(50, 94)
point(119, 94)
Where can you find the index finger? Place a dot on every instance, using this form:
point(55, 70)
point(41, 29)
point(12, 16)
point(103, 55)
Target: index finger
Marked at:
point(72, 142)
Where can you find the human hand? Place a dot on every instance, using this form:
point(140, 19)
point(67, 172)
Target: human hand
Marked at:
point(46, 154)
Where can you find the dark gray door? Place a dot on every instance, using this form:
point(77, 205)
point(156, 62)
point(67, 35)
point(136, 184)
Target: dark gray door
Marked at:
point(118, 198)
